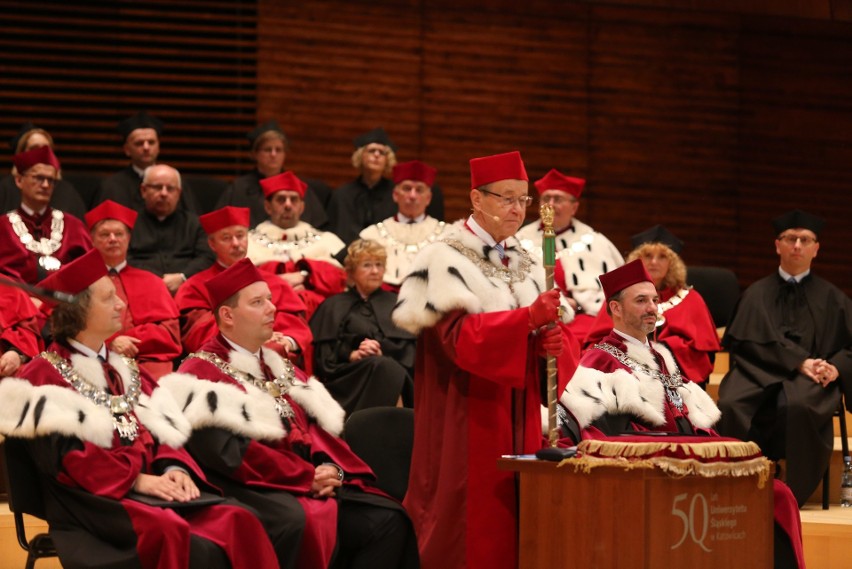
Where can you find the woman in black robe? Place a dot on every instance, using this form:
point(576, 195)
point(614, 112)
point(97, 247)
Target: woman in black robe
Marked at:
point(361, 356)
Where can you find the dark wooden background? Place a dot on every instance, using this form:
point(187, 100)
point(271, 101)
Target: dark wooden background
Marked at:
point(708, 116)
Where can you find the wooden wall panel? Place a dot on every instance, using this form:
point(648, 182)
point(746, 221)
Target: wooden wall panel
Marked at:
point(77, 68)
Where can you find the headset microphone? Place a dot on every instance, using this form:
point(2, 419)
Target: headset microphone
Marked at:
point(493, 217)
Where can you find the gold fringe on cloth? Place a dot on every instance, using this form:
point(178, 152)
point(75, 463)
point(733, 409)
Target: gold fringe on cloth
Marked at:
point(746, 459)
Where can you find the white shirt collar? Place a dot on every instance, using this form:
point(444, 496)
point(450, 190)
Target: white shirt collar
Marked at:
point(481, 233)
point(119, 267)
point(630, 339)
point(241, 350)
point(405, 219)
point(30, 211)
point(87, 351)
point(138, 170)
point(787, 276)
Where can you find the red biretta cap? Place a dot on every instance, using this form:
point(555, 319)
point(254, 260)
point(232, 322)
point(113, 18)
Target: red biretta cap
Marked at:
point(287, 181)
point(76, 276)
point(23, 161)
point(619, 279)
point(230, 281)
point(556, 180)
point(111, 210)
point(508, 166)
point(414, 170)
point(225, 217)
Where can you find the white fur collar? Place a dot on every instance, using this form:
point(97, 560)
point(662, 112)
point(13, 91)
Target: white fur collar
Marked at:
point(591, 393)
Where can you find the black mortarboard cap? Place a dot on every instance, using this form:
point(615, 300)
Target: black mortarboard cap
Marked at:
point(140, 120)
point(377, 135)
point(658, 234)
point(797, 218)
point(25, 128)
point(271, 124)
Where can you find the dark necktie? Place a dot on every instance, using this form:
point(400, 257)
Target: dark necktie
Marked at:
point(114, 383)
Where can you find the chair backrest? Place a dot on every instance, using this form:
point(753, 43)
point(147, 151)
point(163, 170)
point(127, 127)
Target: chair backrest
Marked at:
point(87, 184)
point(719, 288)
point(383, 437)
point(206, 191)
point(24, 485)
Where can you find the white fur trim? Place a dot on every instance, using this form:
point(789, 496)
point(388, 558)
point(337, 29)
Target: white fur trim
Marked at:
point(592, 393)
point(29, 411)
point(161, 415)
point(313, 397)
point(703, 412)
point(213, 404)
point(442, 280)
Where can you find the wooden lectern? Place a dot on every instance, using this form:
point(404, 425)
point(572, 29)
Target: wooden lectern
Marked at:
point(610, 517)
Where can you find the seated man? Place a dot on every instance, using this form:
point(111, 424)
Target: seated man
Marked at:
point(684, 324)
point(150, 332)
point(272, 439)
point(790, 340)
point(227, 231)
point(166, 240)
point(583, 254)
point(287, 246)
point(35, 238)
point(106, 438)
point(141, 135)
point(411, 228)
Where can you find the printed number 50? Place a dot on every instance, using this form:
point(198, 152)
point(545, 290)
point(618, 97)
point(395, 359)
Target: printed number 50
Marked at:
point(689, 520)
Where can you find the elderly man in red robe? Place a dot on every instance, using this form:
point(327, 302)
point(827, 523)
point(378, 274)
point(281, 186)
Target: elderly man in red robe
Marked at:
point(150, 332)
point(36, 239)
point(227, 235)
point(475, 298)
point(107, 442)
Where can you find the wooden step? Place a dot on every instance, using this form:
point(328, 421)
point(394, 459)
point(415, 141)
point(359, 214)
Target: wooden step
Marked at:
point(827, 536)
point(11, 554)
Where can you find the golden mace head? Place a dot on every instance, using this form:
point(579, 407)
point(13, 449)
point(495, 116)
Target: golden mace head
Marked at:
point(546, 214)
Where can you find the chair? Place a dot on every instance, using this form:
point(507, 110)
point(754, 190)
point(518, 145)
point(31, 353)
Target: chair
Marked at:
point(844, 445)
point(25, 497)
point(206, 191)
point(383, 437)
point(719, 288)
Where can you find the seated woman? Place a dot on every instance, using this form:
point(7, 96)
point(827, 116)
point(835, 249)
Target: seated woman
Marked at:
point(684, 323)
point(108, 440)
point(359, 353)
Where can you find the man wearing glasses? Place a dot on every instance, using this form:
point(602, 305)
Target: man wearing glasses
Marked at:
point(36, 239)
point(790, 340)
point(474, 299)
point(583, 254)
point(167, 240)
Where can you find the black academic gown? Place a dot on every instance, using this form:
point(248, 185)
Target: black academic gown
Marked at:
point(354, 206)
point(65, 197)
point(177, 244)
point(339, 326)
point(245, 191)
point(123, 187)
point(775, 327)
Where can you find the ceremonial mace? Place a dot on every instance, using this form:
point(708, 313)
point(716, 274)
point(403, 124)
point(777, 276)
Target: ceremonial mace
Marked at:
point(548, 247)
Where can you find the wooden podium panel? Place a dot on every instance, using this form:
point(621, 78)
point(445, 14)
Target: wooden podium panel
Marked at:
point(642, 518)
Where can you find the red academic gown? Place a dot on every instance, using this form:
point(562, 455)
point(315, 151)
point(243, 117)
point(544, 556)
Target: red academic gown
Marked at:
point(88, 483)
point(288, 463)
point(463, 507)
point(323, 280)
point(19, 322)
point(151, 316)
point(199, 325)
point(689, 332)
point(19, 263)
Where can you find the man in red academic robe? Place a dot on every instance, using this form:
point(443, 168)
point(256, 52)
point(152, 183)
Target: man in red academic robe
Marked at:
point(296, 251)
point(36, 239)
point(108, 441)
point(272, 439)
point(150, 332)
point(475, 300)
point(227, 235)
point(20, 330)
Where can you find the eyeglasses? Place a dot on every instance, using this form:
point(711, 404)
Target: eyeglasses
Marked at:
point(791, 239)
point(508, 201)
point(42, 180)
point(419, 189)
point(377, 150)
point(161, 187)
point(557, 199)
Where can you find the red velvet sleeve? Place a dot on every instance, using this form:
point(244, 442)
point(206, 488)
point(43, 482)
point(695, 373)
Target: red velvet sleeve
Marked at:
point(159, 340)
point(268, 467)
point(104, 472)
point(324, 278)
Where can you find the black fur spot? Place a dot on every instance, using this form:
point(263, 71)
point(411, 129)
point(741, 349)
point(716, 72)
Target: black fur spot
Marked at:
point(605, 267)
point(170, 421)
point(454, 272)
point(574, 279)
point(431, 307)
point(246, 415)
point(23, 415)
point(39, 409)
point(188, 401)
point(582, 264)
point(564, 243)
point(81, 417)
point(212, 401)
point(422, 274)
point(592, 397)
